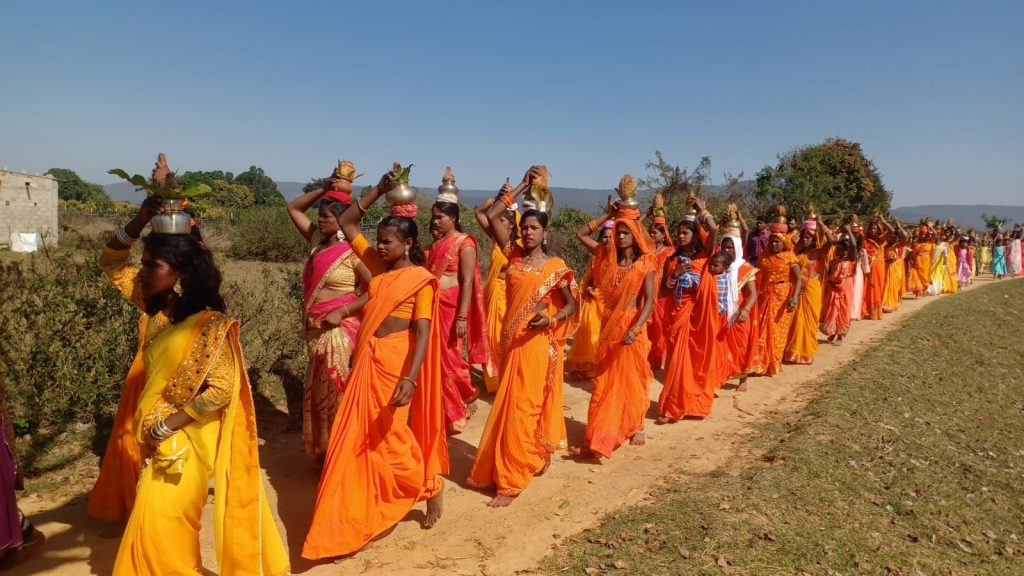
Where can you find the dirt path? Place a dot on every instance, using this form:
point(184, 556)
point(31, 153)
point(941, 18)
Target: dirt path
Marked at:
point(471, 538)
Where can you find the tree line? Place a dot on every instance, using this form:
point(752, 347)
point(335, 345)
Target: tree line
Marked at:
point(835, 176)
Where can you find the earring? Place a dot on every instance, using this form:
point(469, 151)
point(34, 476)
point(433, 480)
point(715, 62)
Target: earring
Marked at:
point(177, 287)
point(340, 235)
point(406, 251)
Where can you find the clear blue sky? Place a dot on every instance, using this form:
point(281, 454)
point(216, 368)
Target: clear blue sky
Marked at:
point(934, 90)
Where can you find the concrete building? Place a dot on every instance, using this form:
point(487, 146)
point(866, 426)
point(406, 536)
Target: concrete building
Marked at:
point(28, 203)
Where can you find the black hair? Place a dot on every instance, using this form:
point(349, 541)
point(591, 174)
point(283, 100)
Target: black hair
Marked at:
point(334, 206)
point(724, 256)
point(542, 219)
point(510, 215)
point(664, 231)
point(698, 245)
point(636, 243)
point(451, 210)
point(849, 245)
point(799, 248)
point(200, 278)
point(407, 230)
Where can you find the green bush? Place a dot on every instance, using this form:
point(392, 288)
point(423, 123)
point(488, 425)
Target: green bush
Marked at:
point(265, 234)
point(66, 342)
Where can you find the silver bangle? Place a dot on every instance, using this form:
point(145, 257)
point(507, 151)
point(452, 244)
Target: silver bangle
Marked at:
point(160, 431)
point(124, 238)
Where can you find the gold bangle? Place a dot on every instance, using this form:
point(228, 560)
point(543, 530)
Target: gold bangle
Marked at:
point(592, 226)
point(489, 203)
point(506, 200)
point(359, 205)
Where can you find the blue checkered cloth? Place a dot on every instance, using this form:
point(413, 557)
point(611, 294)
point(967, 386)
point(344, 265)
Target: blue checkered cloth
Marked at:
point(687, 281)
point(722, 283)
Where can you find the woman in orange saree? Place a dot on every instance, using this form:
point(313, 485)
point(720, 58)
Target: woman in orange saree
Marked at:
point(875, 241)
point(330, 281)
point(656, 328)
point(895, 271)
point(742, 333)
point(835, 320)
point(811, 255)
point(453, 260)
point(194, 420)
point(921, 257)
point(495, 303)
point(582, 360)
point(625, 271)
point(388, 447)
point(694, 323)
point(778, 293)
point(526, 424)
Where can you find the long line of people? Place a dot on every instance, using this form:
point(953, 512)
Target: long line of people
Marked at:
point(392, 329)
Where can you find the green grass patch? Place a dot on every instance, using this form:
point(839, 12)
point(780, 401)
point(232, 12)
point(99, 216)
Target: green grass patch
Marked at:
point(909, 461)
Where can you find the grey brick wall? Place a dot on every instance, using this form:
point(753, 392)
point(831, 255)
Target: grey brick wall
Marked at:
point(28, 203)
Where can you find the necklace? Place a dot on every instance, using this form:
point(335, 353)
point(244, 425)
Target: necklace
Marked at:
point(622, 270)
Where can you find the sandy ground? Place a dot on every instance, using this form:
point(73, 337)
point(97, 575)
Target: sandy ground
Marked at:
point(471, 538)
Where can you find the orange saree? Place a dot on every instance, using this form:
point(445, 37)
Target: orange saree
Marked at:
point(921, 271)
point(774, 291)
point(875, 279)
point(382, 459)
point(741, 340)
point(620, 396)
point(691, 376)
point(113, 495)
point(656, 327)
point(526, 423)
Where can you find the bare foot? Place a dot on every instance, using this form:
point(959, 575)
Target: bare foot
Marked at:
point(662, 420)
point(500, 501)
point(435, 507)
point(638, 439)
point(742, 386)
point(471, 409)
point(581, 452)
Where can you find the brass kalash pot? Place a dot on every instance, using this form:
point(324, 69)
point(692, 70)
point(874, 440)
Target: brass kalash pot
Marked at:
point(401, 193)
point(164, 185)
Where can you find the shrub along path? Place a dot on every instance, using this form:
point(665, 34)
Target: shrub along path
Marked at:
point(905, 459)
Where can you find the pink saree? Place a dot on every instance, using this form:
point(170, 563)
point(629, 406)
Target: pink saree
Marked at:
point(329, 347)
point(458, 389)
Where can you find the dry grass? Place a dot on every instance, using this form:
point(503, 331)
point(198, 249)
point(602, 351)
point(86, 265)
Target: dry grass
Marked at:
point(909, 462)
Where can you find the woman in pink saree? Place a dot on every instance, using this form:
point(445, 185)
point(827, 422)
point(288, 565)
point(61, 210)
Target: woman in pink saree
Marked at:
point(453, 260)
point(330, 284)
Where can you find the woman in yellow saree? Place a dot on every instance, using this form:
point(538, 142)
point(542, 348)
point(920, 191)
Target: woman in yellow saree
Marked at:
point(194, 421)
point(920, 261)
point(582, 360)
point(811, 255)
point(895, 270)
point(495, 303)
point(526, 424)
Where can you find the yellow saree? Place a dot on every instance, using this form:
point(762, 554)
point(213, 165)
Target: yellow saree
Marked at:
point(495, 305)
point(162, 536)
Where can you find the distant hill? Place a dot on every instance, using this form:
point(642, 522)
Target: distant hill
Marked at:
point(965, 216)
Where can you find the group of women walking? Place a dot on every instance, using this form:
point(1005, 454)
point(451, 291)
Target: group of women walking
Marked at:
point(392, 330)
